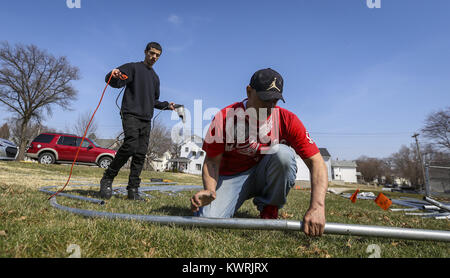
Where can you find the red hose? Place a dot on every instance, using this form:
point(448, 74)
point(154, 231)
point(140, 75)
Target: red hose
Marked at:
point(122, 77)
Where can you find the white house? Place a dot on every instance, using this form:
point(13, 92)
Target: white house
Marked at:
point(344, 170)
point(191, 156)
point(162, 163)
point(303, 170)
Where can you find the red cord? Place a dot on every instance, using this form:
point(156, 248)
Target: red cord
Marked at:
point(122, 77)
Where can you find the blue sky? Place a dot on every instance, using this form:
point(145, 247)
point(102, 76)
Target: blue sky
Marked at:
point(361, 80)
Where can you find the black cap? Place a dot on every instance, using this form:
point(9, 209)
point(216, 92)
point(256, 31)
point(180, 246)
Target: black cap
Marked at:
point(268, 84)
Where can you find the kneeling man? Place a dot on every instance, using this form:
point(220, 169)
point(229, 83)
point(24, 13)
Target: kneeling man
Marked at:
point(250, 153)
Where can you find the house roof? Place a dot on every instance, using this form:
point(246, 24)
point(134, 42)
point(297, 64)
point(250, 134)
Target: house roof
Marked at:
point(194, 139)
point(324, 152)
point(343, 163)
point(180, 159)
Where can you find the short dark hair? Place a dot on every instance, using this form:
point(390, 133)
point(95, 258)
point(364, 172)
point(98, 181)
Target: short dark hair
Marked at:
point(153, 45)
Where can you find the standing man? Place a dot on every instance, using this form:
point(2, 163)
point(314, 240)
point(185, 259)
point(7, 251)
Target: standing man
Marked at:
point(248, 156)
point(140, 98)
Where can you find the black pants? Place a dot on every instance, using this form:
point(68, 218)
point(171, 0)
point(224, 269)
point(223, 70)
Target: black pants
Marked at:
point(137, 133)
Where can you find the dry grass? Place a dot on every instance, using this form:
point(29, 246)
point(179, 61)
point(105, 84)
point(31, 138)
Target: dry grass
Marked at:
point(30, 227)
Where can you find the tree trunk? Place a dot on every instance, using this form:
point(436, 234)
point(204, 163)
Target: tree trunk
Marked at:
point(23, 140)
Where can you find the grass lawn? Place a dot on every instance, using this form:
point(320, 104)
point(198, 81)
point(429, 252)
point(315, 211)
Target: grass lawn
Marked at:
point(30, 227)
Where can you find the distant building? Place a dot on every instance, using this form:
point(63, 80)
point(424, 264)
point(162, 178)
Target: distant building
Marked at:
point(359, 177)
point(112, 144)
point(303, 170)
point(191, 157)
point(162, 163)
point(344, 170)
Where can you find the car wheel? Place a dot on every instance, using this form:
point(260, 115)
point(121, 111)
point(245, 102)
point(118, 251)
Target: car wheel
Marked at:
point(46, 158)
point(104, 162)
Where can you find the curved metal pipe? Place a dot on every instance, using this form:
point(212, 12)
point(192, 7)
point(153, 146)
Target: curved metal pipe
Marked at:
point(245, 223)
point(90, 200)
point(263, 224)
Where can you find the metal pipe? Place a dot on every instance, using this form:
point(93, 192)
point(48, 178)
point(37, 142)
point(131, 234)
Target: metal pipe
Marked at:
point(264, 224)
point(430, 207)
point(404, 209)
point(87, 199)
point(436, 203)
point(439, 167)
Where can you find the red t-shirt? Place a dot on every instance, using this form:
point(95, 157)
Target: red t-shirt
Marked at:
point(243, 143)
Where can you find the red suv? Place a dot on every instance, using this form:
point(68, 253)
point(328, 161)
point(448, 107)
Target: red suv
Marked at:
point(49, 148)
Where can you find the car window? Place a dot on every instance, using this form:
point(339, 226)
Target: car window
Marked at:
point(94, 143)
point(67, 141)
point(85, 144)
point(7, 142)
point(44, 138)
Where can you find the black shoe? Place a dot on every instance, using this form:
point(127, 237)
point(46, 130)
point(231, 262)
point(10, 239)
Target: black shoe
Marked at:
point(106, 188)
point(133, 194)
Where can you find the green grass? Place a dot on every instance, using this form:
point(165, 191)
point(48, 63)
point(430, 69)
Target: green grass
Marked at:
point(30, 227)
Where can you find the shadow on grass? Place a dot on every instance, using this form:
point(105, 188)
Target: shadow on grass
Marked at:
point(173, 211)
point(185, 211)
point(166, 210)
point(92, 193)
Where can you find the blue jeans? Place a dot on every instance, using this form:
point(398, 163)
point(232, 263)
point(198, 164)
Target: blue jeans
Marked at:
point(268, 183)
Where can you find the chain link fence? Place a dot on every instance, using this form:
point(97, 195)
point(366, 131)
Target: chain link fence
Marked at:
point(437, 180)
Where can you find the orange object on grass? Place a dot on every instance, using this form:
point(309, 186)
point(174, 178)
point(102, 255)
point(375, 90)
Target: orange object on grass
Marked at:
point(354, 196)
point(382, 201)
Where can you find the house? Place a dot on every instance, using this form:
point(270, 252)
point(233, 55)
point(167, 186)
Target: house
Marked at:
point(359, 177)
point(303, 170)
point(112, 144)
point(162, 163)
point(191, 156)
point(344, 170)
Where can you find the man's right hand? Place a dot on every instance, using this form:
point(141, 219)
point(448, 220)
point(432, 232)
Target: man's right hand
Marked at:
point(202, 198)
point(116, 73)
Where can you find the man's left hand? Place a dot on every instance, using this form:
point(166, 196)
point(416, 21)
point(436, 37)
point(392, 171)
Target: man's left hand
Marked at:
point(314, 221)
point(171, 106)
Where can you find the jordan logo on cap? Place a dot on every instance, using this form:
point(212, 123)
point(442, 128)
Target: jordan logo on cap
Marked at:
point(273, 85)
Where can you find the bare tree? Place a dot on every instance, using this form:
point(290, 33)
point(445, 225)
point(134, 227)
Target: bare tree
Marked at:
point(372, 168)
point(80, 126)
point(33, 129)
point(433, 156)
point(406, 164)
point(437, 128)
point(159, 142)
point(4, 131)
point(31, 82)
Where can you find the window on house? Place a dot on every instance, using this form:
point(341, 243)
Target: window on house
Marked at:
point(202, 153)
point(186, 149)
point(198, 166)
point(194, 153)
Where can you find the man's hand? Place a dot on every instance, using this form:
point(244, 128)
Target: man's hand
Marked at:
point(116, 73)
point(202, 198)
point(314, 221)
point(171, 106)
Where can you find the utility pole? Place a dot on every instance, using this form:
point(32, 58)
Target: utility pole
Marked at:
point(420, 159)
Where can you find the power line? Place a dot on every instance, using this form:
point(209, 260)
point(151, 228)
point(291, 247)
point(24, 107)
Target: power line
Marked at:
point(361, 133)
